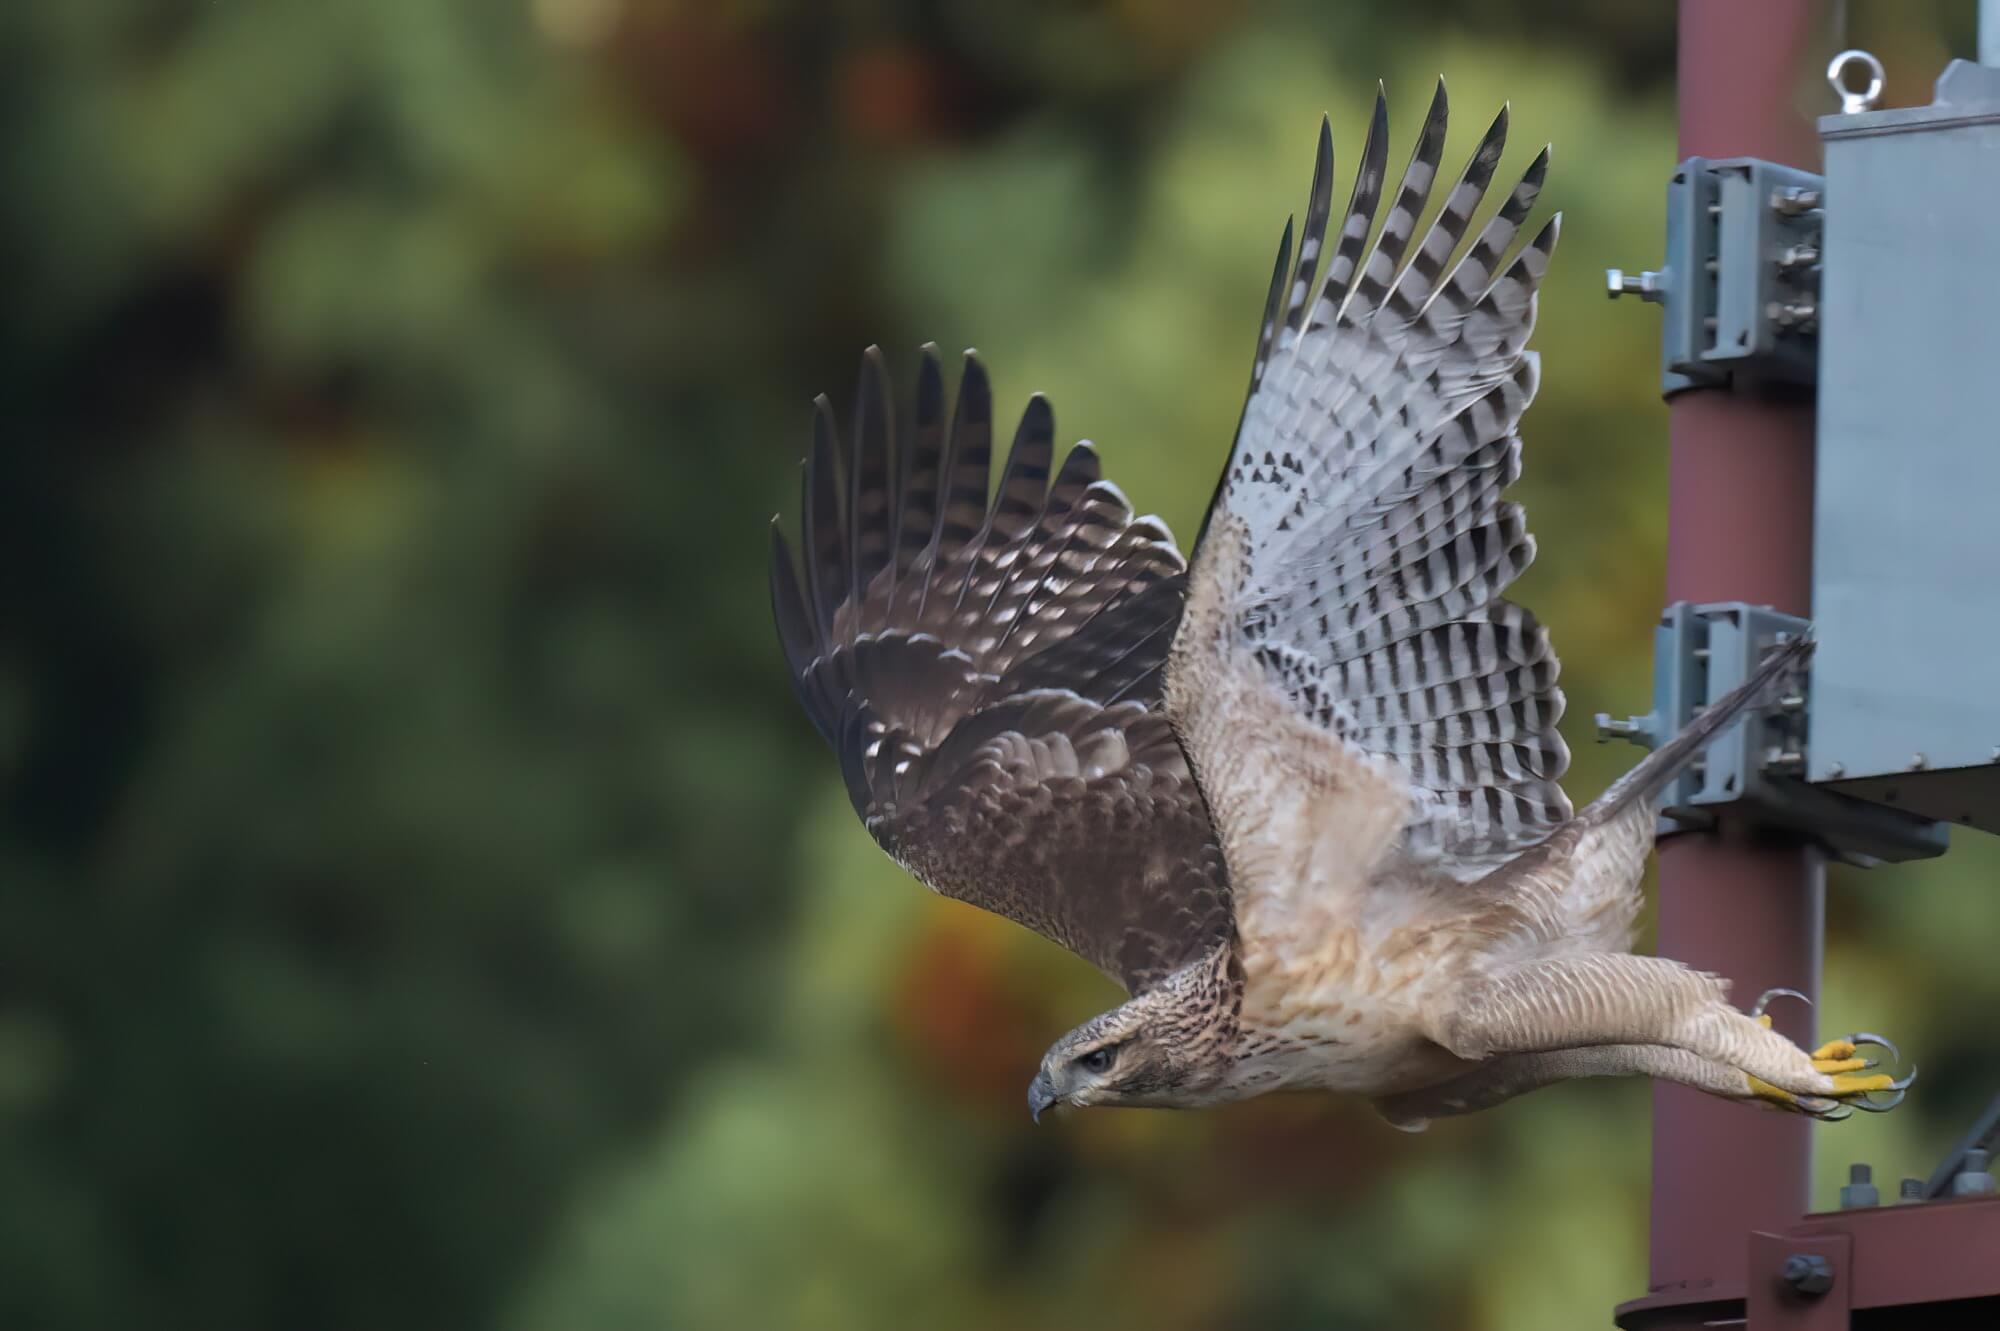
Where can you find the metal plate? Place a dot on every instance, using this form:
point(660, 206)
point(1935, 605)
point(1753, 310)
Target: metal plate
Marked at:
point(1906, 594)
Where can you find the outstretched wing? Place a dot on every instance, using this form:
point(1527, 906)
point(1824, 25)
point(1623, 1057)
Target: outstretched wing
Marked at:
point(990, 676)
point(1357, 548)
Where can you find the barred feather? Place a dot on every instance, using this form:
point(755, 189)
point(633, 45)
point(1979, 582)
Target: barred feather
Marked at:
point(1378, 437)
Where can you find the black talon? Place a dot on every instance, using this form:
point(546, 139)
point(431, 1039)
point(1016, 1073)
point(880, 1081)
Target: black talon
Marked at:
point(1871, 1106)
point(1764, 999)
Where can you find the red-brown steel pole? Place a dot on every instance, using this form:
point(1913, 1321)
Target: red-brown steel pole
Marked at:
point(1739, 529)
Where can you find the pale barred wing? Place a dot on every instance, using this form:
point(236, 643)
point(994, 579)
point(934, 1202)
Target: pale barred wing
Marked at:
point(1369, 542)
point(990, 675)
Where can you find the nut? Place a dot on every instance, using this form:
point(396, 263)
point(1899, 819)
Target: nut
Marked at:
point(1808, 1273)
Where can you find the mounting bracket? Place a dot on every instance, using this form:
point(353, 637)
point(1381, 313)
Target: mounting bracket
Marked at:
point(1739, 284)
point(1753, 771)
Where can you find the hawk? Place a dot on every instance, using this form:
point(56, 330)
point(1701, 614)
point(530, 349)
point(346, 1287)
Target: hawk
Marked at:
point(1300, 797)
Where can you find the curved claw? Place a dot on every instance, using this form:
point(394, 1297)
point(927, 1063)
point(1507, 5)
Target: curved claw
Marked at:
point(1862, 1038)
point(1764, 999)
point(1884, 1098)
point(1826, 1111)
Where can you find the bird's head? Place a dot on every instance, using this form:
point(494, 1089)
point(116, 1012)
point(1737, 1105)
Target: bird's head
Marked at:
point(1143, 1053)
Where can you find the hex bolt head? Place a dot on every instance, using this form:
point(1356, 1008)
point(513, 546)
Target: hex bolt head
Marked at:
point(1912, 1190)
point(1808, 1273)
point(1793, 200)
point(1860, 1189)
point(1975, 1175)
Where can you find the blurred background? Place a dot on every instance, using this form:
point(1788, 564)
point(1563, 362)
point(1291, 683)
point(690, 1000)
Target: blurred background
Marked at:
point(422, 904)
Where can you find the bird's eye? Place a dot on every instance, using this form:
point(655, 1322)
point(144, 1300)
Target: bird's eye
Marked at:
point(1098, 1060)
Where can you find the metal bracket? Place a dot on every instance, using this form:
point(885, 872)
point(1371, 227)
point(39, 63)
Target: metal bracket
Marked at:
point(1753, 770)
point(1739, 284)
point(1983, 1136)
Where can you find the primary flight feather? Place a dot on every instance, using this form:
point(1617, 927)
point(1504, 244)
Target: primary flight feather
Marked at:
point(1302, 798)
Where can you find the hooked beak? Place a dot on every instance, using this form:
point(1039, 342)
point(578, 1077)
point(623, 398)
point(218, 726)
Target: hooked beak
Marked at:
point(1040, 1096)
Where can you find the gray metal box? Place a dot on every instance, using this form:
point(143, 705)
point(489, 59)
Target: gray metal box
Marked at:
point(1906, 558)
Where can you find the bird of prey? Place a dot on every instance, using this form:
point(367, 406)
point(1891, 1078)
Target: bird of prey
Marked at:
point(1301, 796)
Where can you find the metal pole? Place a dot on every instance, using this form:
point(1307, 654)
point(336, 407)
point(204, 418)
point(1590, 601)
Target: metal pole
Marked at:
point(1989, 32)
point(1739, 528)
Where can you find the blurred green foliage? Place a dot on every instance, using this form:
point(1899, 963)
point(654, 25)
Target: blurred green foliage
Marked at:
point(421, 904)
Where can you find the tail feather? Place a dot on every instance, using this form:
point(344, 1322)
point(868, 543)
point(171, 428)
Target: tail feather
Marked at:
point(1663, 764)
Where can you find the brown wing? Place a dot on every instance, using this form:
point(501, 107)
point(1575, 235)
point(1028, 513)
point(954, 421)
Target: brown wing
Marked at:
point(990, 676)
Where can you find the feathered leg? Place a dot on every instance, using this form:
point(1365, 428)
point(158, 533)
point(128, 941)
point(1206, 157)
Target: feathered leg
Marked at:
point(1509, 1075)
point(1563, 1003)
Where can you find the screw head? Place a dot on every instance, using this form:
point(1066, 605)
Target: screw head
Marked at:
point(1808, 1273)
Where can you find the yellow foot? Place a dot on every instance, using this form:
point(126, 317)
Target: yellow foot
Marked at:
point(1854, 1086)
point(1812, 1106)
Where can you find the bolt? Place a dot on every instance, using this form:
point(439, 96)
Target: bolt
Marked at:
point(1638, 729)
point(1808, 1273)
point(1802, 316)
point(1792, 702)
point(1860, 1189)
point(1785, 761)
point(1648, 286)
point(1798, 256)
point(1974, 1177)
point(1835, 771)
point(1918, 762)
point(1912, 1190)
point(1793, 200)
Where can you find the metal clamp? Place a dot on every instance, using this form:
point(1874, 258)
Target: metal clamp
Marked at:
point(1740, 283)
point(1754, 770)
